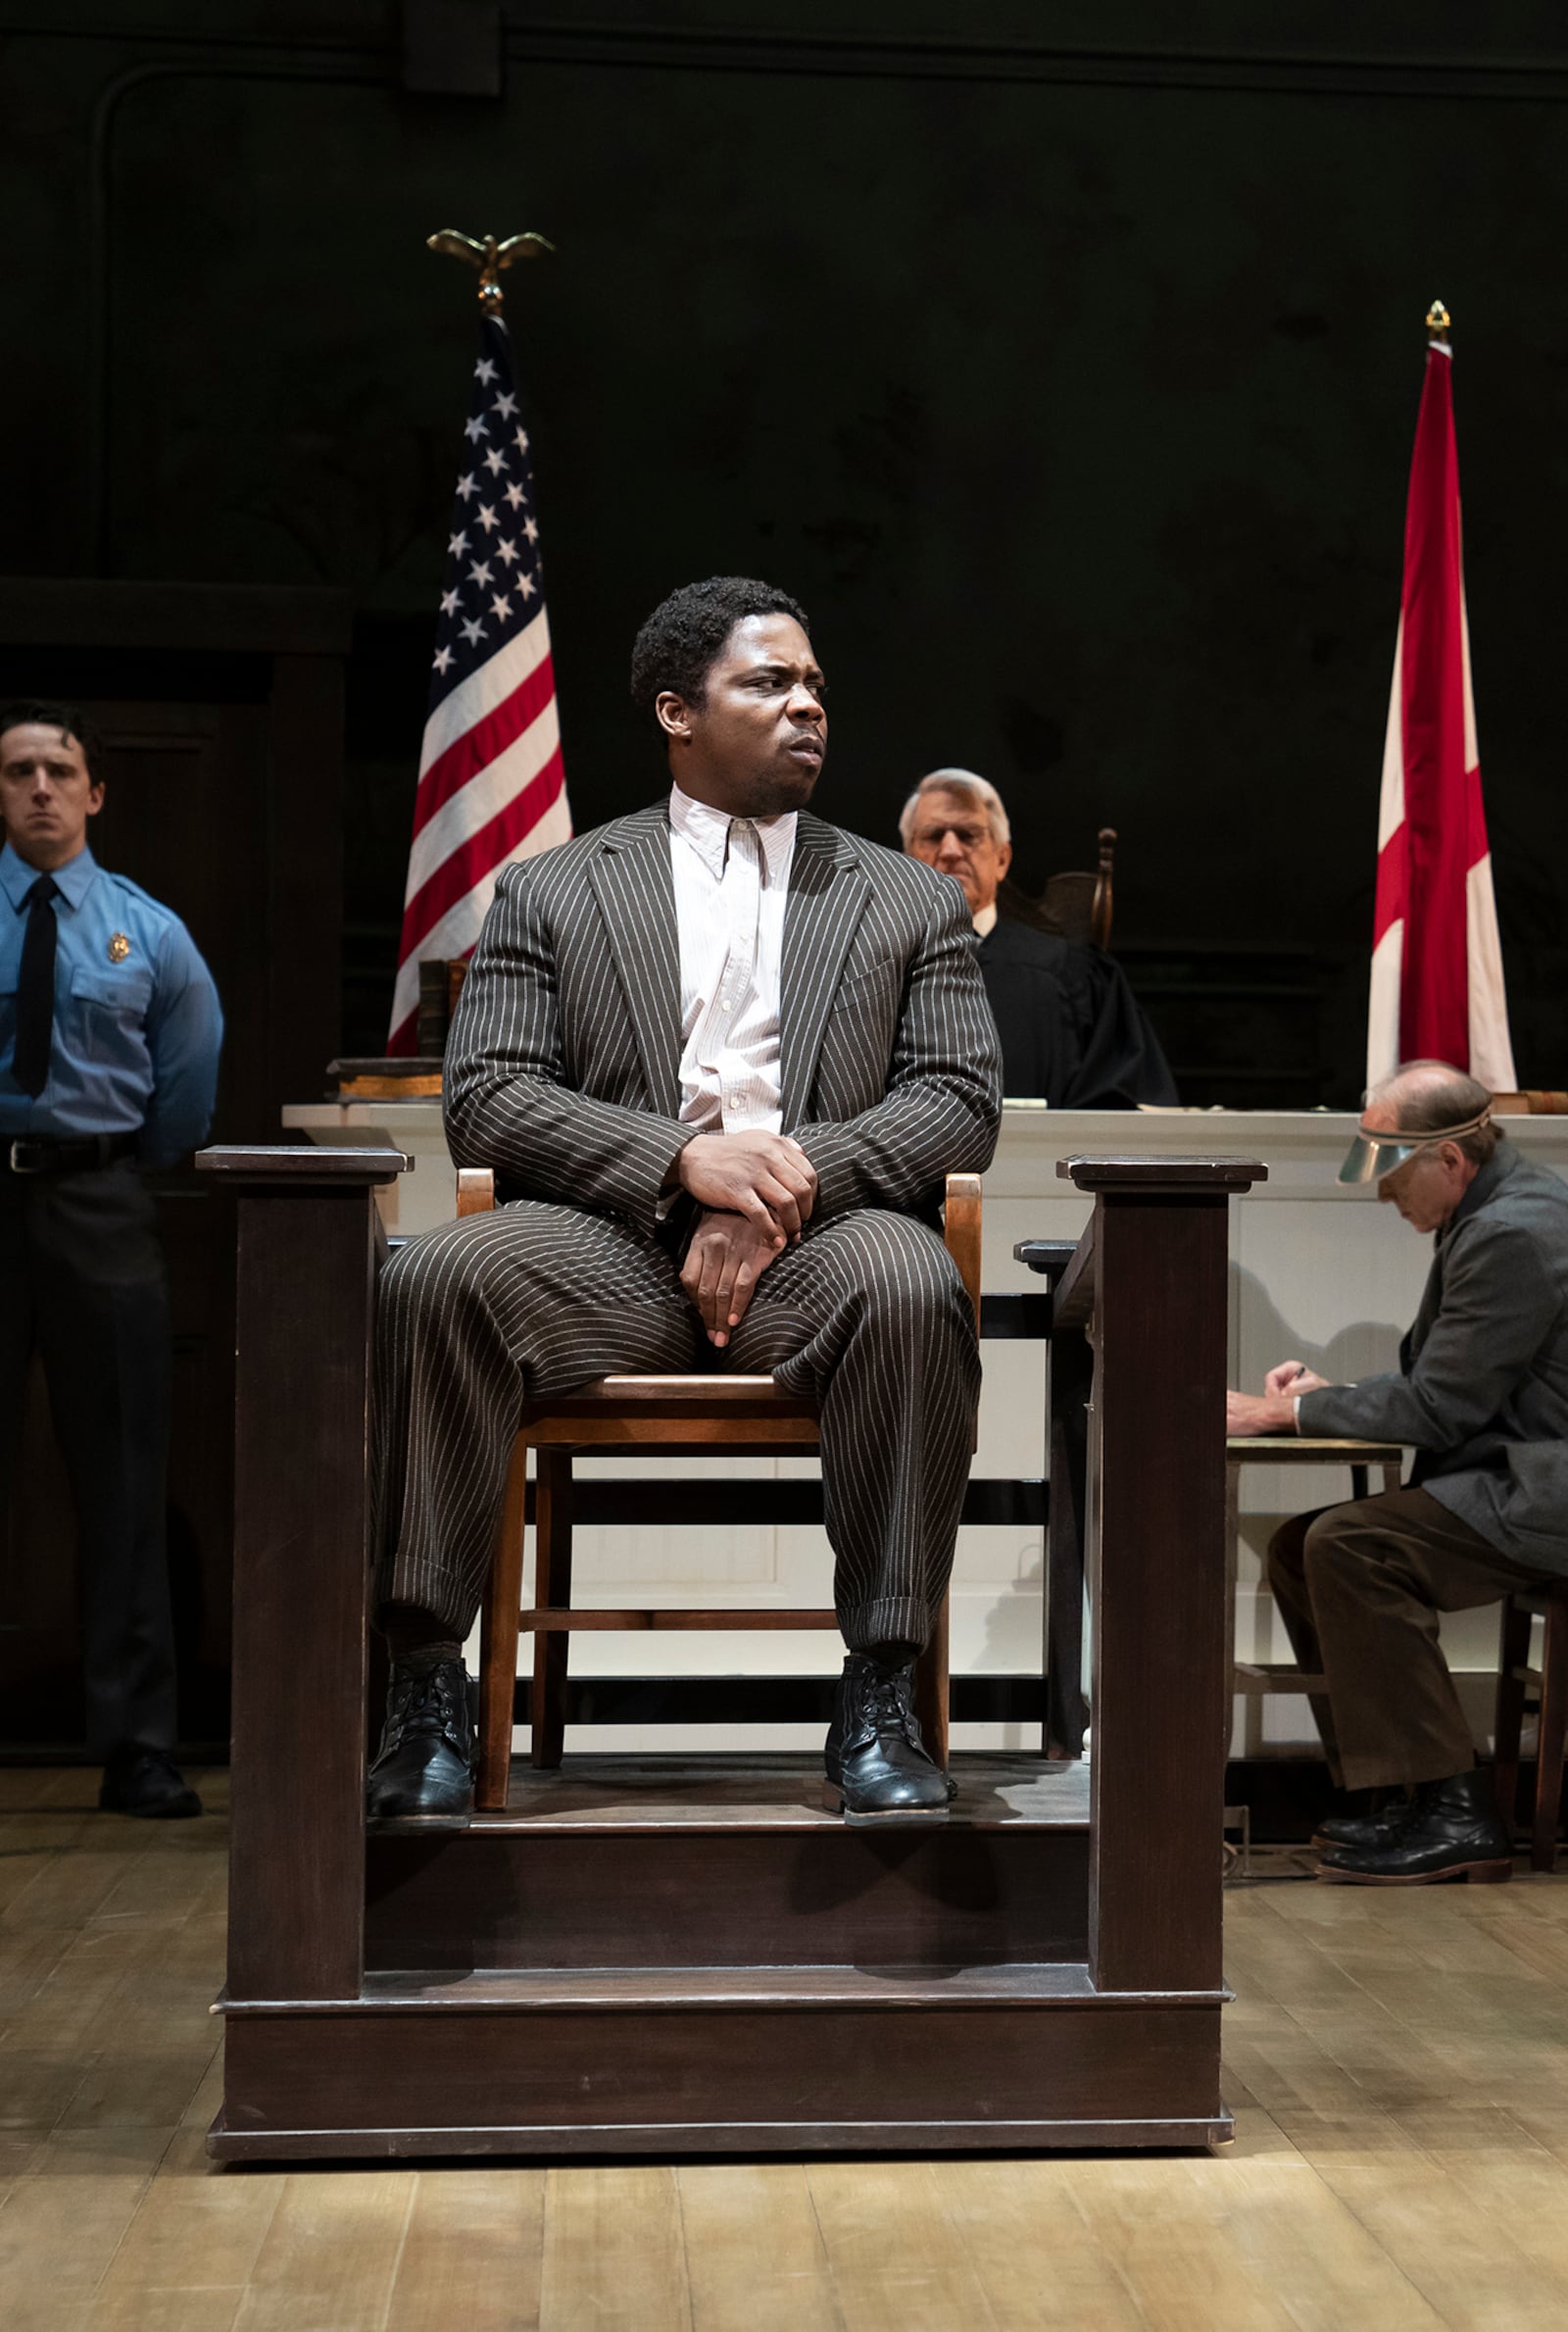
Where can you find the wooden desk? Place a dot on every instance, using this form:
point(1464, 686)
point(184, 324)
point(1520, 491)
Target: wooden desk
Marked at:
point(1258, 1677)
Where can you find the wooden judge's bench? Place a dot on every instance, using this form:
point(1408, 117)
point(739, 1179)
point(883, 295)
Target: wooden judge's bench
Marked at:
point(666, 1955)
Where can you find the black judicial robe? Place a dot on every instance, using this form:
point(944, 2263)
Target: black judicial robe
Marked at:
point(1072, 1031)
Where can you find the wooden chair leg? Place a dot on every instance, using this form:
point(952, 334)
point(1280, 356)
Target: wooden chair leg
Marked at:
point(931, 1689)
point(1233, 1566)
point(498, 1639)
point(1552, 1739)
point(1071, 1382)
point(1513, 1657)
point(553, 1590)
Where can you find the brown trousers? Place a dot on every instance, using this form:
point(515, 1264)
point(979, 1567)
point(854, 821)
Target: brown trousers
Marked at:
point(1359, 1588)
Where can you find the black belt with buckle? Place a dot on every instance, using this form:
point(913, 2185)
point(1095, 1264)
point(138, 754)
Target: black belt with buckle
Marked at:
point(38, 1154)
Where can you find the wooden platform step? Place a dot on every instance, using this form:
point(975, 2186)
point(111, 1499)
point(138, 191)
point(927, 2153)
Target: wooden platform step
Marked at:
point(762, 1790)
point(735, 1862)
point(534, 1990)
point(659, 2060)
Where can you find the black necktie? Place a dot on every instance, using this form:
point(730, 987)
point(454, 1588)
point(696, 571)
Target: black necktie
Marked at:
point(35, 989)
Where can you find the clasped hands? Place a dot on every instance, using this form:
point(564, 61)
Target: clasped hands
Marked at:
point(756, 1192)
point(1274, 1411)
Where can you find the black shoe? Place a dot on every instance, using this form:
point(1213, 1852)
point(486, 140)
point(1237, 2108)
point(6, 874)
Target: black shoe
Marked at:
point(146, 1782)
point(1452, 1831)
point(1362, 1830)
point(878, 1773)
point(424, 1769)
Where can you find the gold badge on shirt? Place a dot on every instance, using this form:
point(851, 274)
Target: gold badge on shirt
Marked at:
point(119, 947)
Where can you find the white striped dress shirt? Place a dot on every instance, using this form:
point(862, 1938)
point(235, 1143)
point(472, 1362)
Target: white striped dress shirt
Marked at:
point(731, 883)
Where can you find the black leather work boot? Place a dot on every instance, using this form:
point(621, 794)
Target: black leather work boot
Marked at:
point(879, 1775)
point(1452, 1831)
point(424, 1769)
point(1362, 1830)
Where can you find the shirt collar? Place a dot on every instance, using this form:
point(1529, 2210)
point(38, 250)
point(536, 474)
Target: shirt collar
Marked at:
point(985, 923)
point(74, 880)
point(707, 831)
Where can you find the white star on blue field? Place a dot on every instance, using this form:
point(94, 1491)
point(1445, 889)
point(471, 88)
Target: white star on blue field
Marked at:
point(493, 580)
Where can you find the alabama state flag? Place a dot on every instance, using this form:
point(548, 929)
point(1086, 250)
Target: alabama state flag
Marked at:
point(1436, 966)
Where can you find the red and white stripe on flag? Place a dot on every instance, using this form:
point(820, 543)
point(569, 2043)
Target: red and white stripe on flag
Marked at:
point(1436, 966)
point(492, 787)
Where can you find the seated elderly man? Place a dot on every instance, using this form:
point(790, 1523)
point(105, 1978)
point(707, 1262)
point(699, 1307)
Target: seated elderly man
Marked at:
point(1072, 1033)
point(1481, 1393)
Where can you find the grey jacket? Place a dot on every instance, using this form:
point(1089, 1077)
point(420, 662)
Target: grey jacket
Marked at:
point(1482, 1391)
point(564, 1062)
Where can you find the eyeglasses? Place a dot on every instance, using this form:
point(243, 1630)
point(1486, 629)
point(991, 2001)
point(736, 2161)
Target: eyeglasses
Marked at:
point(965, 836)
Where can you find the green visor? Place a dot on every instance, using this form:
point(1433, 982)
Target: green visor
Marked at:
point(1371, 1156)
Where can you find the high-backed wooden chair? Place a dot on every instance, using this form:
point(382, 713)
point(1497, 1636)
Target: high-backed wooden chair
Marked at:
point(1518, 1681)
point(670, 1416)
point(1079, 905)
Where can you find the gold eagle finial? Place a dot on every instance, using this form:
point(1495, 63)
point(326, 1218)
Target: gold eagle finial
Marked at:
point(489, 255)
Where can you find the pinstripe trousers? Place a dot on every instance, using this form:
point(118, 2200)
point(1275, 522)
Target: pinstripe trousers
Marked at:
point(868, 1315)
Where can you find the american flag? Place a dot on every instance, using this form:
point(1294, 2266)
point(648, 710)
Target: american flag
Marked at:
point(492, 787)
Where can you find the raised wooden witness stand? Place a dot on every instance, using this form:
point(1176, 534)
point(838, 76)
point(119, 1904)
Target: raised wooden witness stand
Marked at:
point(667, 1955)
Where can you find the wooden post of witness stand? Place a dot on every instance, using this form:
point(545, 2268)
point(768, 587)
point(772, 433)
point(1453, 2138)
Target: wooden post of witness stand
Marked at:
point(683, 1959)
point(1150, 1277)
point(307, 1245)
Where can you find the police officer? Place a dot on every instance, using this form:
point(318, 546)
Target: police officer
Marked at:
point(110, 1030)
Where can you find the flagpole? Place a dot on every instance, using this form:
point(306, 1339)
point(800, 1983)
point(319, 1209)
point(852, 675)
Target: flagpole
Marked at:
point(1439, 323)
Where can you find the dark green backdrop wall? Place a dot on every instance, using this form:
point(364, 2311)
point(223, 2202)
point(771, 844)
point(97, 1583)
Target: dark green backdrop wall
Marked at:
point(1064, 361)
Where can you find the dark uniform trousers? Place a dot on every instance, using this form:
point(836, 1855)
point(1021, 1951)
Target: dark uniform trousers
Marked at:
point(85, 1284)
point(1359, 1588)
point(866, 1315)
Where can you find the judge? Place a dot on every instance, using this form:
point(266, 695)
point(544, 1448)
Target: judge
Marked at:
point(1072, 1033)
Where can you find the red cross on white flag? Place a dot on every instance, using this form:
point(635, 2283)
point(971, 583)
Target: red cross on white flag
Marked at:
point(1436, 966)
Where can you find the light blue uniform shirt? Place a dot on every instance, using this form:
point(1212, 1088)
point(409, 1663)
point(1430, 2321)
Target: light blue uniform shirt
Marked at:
point(137, 1024)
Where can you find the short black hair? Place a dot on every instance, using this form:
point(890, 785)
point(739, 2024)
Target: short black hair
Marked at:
point(678, 645)
point(45, 712)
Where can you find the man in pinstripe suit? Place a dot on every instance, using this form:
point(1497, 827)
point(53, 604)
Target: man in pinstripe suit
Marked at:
point(721, 1055)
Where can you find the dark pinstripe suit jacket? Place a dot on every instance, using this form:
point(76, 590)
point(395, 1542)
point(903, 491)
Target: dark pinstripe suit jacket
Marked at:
point(563, 1067)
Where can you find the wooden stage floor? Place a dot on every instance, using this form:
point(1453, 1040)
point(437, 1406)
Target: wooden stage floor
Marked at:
point(1398, 2062)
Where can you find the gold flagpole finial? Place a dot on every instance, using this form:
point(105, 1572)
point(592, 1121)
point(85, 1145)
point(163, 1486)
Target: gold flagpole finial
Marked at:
point(1437, 321)
point(488, 255)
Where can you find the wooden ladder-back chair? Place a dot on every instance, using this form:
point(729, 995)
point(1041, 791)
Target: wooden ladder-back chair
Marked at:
point(668, 1417)
point(1548, 1685)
